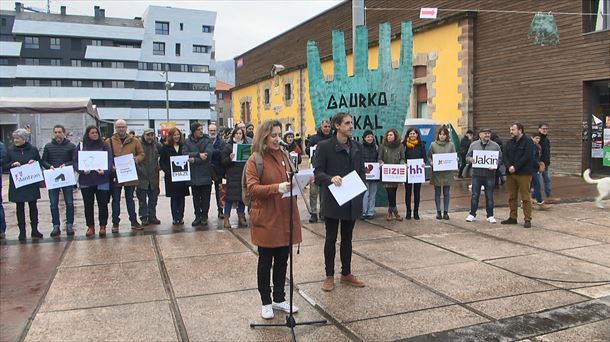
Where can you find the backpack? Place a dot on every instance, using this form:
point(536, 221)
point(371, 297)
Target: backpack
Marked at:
point(258, 162)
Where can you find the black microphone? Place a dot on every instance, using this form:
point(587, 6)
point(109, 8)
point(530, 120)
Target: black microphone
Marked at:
point(283, 143)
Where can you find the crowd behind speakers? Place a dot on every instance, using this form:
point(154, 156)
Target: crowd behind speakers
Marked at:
point(524, 163)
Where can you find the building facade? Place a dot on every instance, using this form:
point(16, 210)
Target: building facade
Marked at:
point(473, 67)
point(123, 65)
point(224, 108)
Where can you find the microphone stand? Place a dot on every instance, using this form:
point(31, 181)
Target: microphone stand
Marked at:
point(290, 321)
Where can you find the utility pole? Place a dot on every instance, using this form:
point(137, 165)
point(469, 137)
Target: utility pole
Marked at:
point(167, 86)
point(357, 19)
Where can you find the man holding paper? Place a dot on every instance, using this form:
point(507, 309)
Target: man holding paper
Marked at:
point(336, 158)
point(57, 154)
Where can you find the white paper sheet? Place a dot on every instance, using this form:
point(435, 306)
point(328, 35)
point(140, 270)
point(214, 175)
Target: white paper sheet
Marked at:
point(394, 173)
point(372, 171)
point(180, 168)
point(26, 174)
point(60, 177)
point(301, 179)
point(351, 186)
point(485, 159)
point(125, 168)
point(416, 171)
point(445, 162)
point(92, 160)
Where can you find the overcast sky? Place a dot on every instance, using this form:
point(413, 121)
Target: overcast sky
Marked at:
point(240, 24)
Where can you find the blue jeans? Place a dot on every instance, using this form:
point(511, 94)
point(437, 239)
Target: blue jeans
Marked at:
point(241, 207)
point(488, 182)
point(547, 182)
point(368, 201)
point(116, 203)
point(437, 197)
point(535, 186)
point(68, 199)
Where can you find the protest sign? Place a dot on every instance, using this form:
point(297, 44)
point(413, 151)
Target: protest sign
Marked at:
point(180, 168)
point(416, 171)
point(92, 160)
point(485, 159)
point(59, 177)
point(26, 174)
point(351, 186)
point(394, 173)
point(241, 152)
point(444, 162)
point(372, 171)
point(125, 168)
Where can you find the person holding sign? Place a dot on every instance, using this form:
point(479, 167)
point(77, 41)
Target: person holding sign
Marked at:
point(176, 191)
point(147, 191)
point(58, 153)
point(322, 133)
point(233, 175)
point(391, 151)
point(269, 215)
point(442, 180)
point(336, 158)
point(370, 155)
point(199, 148)
point(22, 153)
point(94, 184)
point(414, 149)
point(483, 176)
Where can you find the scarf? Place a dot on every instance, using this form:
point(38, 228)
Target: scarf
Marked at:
point(411, 143)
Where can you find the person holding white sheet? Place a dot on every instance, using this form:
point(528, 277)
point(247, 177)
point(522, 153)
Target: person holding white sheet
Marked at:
point(415, 148)
point(442, 180)
point(391, 151)
point(369, 152)
point(335, 158)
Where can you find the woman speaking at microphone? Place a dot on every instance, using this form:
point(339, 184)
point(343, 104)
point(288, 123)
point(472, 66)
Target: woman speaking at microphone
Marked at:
point(270, 214)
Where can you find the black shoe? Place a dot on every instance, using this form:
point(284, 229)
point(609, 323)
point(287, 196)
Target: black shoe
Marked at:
point(180, 221)
point(154, 220)
point(408, 216)
point(321, 218)
point(221, 215)
point(527, 224)
point(196, 222)
point(36, 234)
point(370, 217)
point(509, 221)
point(313, 218)
point(445, 216)
point(22, 236)
point(135, 225)
point(438, 215)
point(416, 215)
point(145, 221)
point(204, 221)
point(56, 231)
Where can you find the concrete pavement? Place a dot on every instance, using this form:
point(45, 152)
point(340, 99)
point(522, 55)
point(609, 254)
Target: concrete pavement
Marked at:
point(426, 280)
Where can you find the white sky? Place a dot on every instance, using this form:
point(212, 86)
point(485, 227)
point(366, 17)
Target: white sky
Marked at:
point(240, 24)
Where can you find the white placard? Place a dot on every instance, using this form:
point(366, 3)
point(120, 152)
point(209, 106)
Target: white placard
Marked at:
point(312, 152)
point(444, 162)
point(180, 168)
point(351, 186)
point(300, 181)
point(60, 177)
point(485, 159)
point(416, 171)
point(125, 168)
point(428, 13)
point(92, 160)
point(26, 174)
point(372, 171)
point(394, 173)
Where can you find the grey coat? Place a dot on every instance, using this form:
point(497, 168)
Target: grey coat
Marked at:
point(200, 169)
point(148, 168)
point(478, 146)
point(22, 154)
point(441, 178)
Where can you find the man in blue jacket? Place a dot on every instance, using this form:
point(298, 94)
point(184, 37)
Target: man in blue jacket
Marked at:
point(199, 149)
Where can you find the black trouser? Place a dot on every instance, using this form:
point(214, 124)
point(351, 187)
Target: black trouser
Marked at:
point(462, 163)
point(177, 206)
point(89, 194)
point(410, 187)
point(279, 258)
point(201, 200)
point(391, 196)
point(21, 214)
point(332, 228)
point(217, 195)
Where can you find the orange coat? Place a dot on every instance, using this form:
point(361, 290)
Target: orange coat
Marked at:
point(269, 212)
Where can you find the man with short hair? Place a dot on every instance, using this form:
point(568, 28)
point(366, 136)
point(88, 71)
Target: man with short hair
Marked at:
point(322, 134)
point(482, 177)
point(217, 169)
point(464, 146)
point(121, 144)
point(199, 148)
point(148, 179)
point(519, 161)
point(336, 157)
point(250, 131)
point(57, 154)
point(545, 144)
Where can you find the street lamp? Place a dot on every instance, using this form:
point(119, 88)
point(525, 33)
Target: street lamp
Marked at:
point(168, 85)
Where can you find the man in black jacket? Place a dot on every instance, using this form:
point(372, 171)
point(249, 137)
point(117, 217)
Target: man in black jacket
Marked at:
point(199, 148)
point(216, 166)
point(543, 129)
point(464, 145)
point(322, 134)
point(519, 161)
point(56, 154)
point(335, 158)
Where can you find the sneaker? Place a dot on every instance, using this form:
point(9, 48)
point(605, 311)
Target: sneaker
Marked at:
point(552, 200)
point(509, 221)
point(541, 206)
point(70, 229)
point(329, 284)
point(527, 224)
point(491, 219)
point(267, 311)
point(313, 218)
point(55, 231)
point(144, 221)
point(154, 220)
point(135, 225)
point(370, 217)
point(2, 235)
point(351, 279)
point(115, 228)
point(284, 306)
point(196, 222)
point(471, 218)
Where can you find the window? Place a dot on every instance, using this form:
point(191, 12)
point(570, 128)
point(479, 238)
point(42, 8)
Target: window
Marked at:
point(97, 84)
point(77, 83)
point(220, 96)
point(118, 84)
point(32, 61)
point(55, 62)
point(206, 28)
point(162, 27)
point(287, 91)
point(419, 71)
point(3, 22)
point(96, 42)
point(55, 43)
point(422, 101)
point(3, 61)
point(181, 26)
point(199, 68)
point(158, 48)
point(601, 20)
point(32, 83)
point(117, 65)
point(267, 96)
point(220, 110)
point(201, 49)
point(157, 66)
point(31, 42)
point(201, 86)
point(55, 83)
point(184, 67)
point(77, 63)
point(177, 49)
point(96, 64)
point(142, 65)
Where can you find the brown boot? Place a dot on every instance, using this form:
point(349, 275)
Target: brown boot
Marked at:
point(90, 231)
point(396, 214)
point(242, 223)
point(351, 279)
point(389, 217)
point(328, 284)
point(227, 223)
point(102, 231)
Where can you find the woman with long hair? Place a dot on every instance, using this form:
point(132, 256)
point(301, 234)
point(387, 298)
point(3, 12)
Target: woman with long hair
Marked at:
point(270, 215)
point(414, 149)
point(442, 180)
point(370, 155)
point(233, 175)
point(391, 151)
point(176, 191)
point(18, 154)
point(94, 183)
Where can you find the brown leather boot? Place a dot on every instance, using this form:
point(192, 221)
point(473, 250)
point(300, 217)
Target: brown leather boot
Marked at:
point(396, 214)
point(242, 223)
point(227, 224)
point(90, 231)
point(389, 217)
point(102, 231)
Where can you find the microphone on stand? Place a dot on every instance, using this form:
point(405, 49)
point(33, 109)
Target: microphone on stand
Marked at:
point(283, 143)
